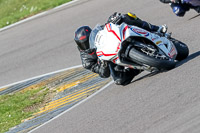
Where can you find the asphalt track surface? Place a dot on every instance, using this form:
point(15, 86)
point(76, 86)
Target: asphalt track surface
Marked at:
point(167, 102)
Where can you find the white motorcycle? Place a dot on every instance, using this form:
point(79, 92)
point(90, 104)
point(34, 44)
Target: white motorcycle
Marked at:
point(136, 48)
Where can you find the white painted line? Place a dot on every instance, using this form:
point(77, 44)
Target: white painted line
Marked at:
point(37, 15)
point(30, 18)
point(63, 5)
point(74, 105)
point(62, 70)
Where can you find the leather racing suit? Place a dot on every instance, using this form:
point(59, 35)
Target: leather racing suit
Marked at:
point(120, 74)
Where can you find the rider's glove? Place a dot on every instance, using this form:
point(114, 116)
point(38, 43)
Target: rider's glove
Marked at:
point(163, 28)
point(114, 18)
point(103, 63)
point(104, 70)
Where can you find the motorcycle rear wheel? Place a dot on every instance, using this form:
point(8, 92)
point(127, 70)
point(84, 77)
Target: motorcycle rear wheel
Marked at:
point(143, 59)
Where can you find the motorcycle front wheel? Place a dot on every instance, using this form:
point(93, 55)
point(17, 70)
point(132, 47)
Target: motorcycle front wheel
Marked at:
point(182, 49)
point(144, 59)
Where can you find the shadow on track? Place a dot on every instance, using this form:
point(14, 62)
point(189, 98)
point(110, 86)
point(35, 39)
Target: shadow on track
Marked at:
point(194, 17)
point(190, 57)
point(146, 76)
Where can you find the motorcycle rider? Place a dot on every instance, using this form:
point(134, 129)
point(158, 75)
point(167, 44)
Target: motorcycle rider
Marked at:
point(90, 61)
point(180, 7)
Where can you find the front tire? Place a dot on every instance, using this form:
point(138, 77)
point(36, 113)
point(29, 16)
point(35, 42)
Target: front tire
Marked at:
point(182, 49)
point(141, 58)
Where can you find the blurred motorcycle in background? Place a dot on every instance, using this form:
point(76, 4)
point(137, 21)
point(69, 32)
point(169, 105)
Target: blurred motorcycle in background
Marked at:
point(180, 7)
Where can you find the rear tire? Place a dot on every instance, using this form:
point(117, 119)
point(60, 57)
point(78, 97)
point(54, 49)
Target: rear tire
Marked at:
point(141, 58)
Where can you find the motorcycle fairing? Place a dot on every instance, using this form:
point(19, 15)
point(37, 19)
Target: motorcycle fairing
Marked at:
point(109, 40)
point(163, 43)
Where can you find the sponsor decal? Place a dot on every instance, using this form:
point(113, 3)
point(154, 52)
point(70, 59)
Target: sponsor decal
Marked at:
point(172, 52)
point(140, 32)
point(158, 42)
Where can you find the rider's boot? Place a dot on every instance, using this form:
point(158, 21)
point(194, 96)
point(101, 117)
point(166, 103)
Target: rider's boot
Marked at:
point(122, 77)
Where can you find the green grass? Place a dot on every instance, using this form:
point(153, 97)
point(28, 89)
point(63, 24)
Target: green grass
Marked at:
point(12, 11)
point(19, 106)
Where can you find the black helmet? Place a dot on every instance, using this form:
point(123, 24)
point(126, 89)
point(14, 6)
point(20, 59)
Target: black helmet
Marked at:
point(82, 37)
